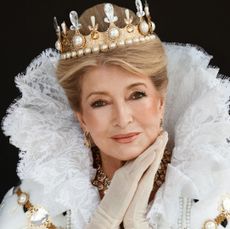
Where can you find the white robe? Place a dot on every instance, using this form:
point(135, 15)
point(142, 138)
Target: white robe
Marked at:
point(56, 168)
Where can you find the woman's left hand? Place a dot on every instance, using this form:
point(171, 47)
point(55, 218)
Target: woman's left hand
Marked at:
point(135, 216)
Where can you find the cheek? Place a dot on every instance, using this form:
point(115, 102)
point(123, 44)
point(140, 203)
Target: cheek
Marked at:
point(97, 121)
point(147, 113)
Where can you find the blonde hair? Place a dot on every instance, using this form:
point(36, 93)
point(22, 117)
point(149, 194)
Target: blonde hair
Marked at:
point(146, 58)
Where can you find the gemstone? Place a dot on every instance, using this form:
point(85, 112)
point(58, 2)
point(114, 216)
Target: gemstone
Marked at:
point(23, 198)
point(39, 217)
point(109, 12)
point(226, 204)
point(114, 33)
point(74, 20)
point(210, 224)
point(130, 28)
point(95, 35)
point(224, 223)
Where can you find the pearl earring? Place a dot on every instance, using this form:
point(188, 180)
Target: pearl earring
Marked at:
point(87, 141)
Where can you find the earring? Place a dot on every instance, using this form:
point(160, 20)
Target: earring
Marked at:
point(161, 123)
point(87, 141)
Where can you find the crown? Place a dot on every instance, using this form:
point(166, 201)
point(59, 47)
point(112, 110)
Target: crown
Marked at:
point(71, 43)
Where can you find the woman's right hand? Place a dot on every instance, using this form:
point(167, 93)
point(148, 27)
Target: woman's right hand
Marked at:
point(112, 208)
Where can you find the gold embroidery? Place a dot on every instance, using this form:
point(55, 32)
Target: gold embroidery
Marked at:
point(38, 217)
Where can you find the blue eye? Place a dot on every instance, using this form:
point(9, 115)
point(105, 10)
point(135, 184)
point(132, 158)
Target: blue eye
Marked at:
point(98, 103)
point(138, 95)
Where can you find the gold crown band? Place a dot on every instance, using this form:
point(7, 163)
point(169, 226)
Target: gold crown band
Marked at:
point(71, 43)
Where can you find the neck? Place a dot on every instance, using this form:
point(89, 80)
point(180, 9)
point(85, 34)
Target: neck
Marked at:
point(110, 164)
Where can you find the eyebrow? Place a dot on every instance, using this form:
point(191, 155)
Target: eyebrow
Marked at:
point(105, 93)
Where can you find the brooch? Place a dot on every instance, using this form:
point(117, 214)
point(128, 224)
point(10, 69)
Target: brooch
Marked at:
point(222, 218)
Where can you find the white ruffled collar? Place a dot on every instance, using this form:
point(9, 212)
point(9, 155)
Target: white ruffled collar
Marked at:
point(53, 156)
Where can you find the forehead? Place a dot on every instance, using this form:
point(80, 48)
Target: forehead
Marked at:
point(111, 75)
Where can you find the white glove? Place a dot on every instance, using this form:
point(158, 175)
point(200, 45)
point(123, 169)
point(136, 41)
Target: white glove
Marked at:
point(111, 210)
point(135, 217)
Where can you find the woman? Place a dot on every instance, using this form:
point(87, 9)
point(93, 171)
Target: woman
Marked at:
point(93, 151)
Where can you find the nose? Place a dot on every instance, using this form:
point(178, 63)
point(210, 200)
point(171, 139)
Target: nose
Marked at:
point(122, 115)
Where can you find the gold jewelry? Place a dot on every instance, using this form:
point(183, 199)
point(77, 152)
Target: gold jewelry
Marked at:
point(71, 43)
point(222, 218)
point(38, 217)
point(87, 141)
point(102, 182)
point(161, 123)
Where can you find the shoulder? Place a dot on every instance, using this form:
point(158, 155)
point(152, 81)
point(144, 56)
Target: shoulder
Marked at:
point(21, 208)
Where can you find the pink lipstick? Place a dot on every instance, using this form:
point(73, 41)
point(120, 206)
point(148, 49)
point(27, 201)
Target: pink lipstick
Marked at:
point(125, 138)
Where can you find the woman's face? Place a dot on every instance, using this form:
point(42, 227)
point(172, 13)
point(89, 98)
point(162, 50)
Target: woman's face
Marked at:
point(120, 110)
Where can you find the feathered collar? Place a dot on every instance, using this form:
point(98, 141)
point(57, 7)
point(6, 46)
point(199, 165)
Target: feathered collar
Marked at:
point(54, 159)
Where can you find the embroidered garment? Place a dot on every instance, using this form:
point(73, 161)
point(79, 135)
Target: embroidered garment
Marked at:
point(56, 168)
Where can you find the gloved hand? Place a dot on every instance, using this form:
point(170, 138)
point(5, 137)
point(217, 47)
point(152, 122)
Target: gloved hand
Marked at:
point(111, 210)
point(135, 217)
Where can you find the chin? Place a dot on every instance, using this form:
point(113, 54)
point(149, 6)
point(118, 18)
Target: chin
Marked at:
point(127, 156)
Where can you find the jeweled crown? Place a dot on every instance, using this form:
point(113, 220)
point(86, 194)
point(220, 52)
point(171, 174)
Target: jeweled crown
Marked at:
point(71, 43)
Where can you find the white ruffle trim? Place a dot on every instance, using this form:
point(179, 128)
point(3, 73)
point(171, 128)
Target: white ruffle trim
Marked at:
point(197, 119)
point(52, 153)
point(53, 156)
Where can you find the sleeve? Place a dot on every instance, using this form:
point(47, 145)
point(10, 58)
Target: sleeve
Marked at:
point(12, 215)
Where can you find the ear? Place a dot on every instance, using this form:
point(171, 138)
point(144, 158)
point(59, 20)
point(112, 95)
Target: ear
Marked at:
point(78, 115)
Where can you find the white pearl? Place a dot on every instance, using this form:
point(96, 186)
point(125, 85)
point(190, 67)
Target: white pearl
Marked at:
point(152, 36)
point(63, 56)
point(58, 45)
point(142, 39)
point(74, 54)
point(121, 43)
point(153, 26)
point(104, 47)
point(136, 40)
point(114, 33)
point(77, 41)
point(22, 198)
point(112, 45)
point(68, 55)
point(128, 41)
point(95, 49)
point(210, 224)
point(87, 50)
point(144, 27)
point(80, 52)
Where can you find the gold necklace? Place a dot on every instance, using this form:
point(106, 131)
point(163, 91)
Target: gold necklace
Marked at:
point(102, 182)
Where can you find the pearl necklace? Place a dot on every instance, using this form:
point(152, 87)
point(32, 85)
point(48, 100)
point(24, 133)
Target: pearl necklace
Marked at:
point(102, 182)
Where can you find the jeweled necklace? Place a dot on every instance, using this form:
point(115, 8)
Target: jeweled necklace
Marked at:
point(102, 182)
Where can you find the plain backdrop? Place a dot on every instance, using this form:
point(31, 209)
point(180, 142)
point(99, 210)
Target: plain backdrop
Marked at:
point(27, 29)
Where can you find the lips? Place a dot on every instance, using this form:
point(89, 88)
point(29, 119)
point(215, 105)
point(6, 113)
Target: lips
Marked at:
point(125, 138)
